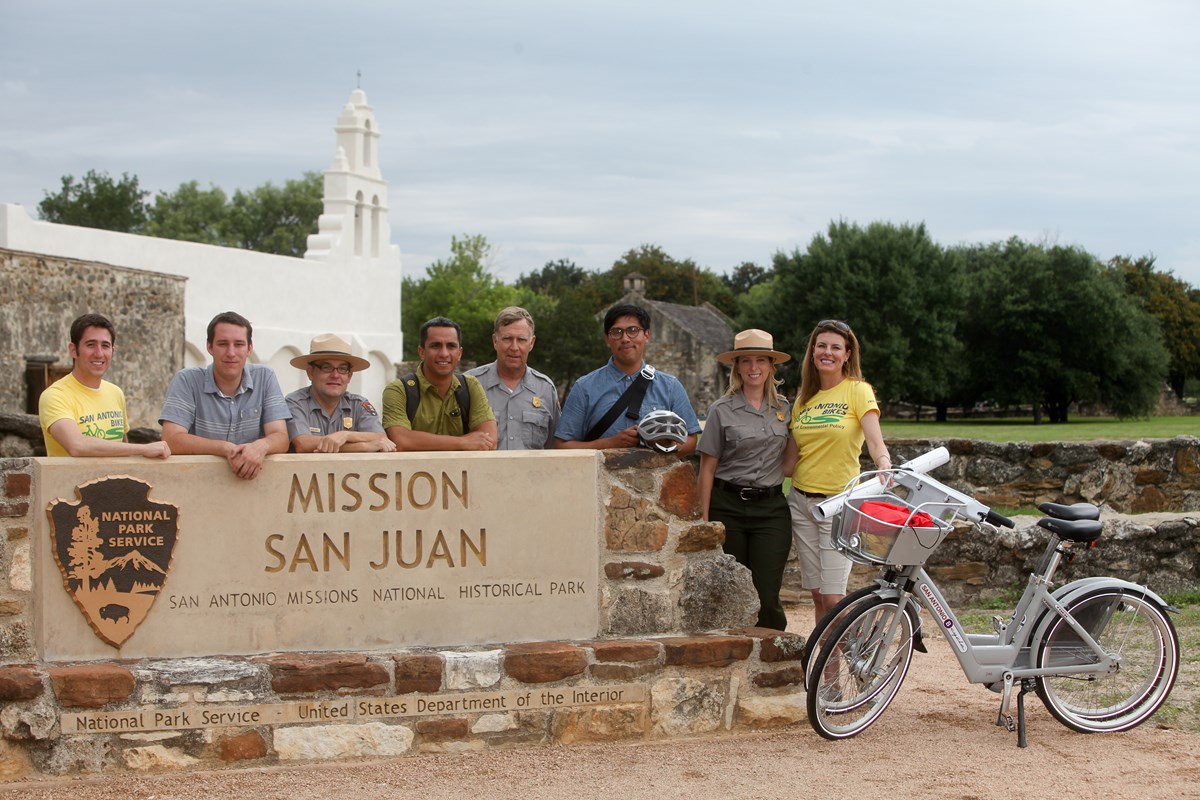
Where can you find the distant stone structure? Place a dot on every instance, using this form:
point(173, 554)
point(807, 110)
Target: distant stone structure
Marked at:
point(685, 341)
point(287, 299)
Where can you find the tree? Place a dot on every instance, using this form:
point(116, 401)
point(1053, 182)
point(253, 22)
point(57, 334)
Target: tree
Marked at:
point(744, 277)
point(462, 288)
point(190, 214)
point(898, 290)
point(667, 279)
point(1052, 327)
point(1176, 306)
point(564, 301)
point(97, 201)
point(273, 219)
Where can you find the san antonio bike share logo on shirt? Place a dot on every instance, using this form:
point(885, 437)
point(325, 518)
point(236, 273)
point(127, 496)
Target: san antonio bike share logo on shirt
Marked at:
point(114, 549)
point(823, 414)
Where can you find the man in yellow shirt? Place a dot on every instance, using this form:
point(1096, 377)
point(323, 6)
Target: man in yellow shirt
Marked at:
point(82, 414)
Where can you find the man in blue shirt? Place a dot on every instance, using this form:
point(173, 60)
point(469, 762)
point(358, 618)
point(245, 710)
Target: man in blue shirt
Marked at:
point(627, 331)
point(229, 408)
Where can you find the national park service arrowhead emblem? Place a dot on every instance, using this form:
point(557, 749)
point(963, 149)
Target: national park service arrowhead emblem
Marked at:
point(114, 549)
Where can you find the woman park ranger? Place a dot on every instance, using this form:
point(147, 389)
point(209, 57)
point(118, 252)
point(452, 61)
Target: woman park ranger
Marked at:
point(834, 412)
point(741, 468)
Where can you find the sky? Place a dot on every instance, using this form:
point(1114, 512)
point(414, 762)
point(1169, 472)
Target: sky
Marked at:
point(723, 132)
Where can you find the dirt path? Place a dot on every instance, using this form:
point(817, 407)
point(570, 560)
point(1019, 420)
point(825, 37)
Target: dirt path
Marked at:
point(937, 740)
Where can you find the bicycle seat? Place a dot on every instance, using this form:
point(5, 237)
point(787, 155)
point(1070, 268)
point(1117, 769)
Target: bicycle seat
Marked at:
point(1073, 530)
point(1073, 511)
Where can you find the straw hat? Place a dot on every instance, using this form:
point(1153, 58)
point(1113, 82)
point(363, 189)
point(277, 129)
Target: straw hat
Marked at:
point(753, 342)
point(329, 346)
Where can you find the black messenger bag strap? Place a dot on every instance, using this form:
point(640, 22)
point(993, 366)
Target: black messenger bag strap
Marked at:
point(630, 397)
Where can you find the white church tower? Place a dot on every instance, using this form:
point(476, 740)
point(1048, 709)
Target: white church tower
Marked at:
point(354, 224)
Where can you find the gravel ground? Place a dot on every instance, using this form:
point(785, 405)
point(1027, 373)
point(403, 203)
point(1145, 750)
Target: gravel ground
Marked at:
point(938, 740)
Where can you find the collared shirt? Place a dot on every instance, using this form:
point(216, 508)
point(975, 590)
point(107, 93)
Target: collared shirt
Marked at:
point(525, 416)
point(595, 393)
point(353, 413)
point(195, 403)
point(747, 442)
point(435, 414)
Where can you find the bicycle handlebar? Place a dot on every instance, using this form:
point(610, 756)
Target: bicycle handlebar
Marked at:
point(999, 519)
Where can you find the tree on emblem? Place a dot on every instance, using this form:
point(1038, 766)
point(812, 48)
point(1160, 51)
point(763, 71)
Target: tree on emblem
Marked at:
point(86, 563)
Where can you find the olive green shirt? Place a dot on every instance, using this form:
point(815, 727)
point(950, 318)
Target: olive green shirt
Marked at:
point(434, 414)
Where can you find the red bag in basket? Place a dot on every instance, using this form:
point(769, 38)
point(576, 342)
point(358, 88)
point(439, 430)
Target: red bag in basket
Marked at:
point(895, 515)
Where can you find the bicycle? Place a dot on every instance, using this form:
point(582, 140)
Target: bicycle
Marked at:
point(1100, 652)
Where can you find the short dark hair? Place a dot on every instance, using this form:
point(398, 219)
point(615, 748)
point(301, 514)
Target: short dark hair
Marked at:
point(440, 322)
point(81, 324)
point(626, 310)
point(231, 318)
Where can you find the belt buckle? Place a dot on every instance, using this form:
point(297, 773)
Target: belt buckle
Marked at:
point(748, 493)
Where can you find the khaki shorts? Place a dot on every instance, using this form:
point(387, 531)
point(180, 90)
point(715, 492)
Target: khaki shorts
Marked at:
point(822, 567)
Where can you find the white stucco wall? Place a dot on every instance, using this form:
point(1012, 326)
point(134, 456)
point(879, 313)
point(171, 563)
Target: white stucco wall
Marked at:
point(288, 300)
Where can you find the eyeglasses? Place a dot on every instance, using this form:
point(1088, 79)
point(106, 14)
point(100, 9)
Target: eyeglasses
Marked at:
point(325, 368)
point(633, 331)
point(834, 323)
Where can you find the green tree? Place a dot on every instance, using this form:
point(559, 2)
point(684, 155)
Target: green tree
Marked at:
point(190, 214)
point(1052, 327)
point(900, 292)
point(744, 277)
point(273, 219)
point(97, 201)
point(667, 279)
point(564, 301)
point(462, 288)
point(1176, 306)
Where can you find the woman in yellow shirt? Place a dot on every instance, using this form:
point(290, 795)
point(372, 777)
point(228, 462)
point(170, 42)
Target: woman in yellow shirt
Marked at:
point(832, 416)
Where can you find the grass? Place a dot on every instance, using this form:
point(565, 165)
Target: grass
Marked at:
point(1023, 430)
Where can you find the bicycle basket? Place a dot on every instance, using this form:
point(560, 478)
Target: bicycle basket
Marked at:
point(885, 529)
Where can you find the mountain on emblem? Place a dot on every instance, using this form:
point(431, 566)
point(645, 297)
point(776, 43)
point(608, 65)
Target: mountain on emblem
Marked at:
point(114, 549)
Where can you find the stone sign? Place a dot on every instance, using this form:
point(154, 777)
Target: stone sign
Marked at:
point(372, 551)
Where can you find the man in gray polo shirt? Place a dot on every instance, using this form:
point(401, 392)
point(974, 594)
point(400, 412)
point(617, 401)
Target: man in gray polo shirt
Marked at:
point(524, 400)
point(229, 408)
point(326, 418)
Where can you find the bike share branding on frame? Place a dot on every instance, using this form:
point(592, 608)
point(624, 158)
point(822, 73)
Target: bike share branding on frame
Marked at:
point(947, 624)
point(114, 549)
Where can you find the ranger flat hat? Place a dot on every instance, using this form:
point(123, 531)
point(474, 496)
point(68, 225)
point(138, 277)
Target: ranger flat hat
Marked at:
point(753, 342)
point(330, 346)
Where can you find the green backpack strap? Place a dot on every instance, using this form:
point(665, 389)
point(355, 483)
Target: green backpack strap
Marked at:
point(412, 399)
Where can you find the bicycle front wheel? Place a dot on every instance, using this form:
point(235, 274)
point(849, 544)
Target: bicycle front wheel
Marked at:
point(825, 625)
point(858, 671)
point(1144, 656)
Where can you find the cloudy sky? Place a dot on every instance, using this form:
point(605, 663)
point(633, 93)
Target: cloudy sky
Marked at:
point(721, 131)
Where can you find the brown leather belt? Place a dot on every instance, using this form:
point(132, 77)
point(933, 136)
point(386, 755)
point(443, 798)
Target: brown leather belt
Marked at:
point(746, 492)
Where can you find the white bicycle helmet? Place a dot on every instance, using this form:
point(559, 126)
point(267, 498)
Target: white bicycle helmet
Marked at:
point(662, 430)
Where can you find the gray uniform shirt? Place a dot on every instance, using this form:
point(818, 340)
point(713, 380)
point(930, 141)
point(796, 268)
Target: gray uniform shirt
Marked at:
point(747, 441)
point(353, 413)
point(525, 416)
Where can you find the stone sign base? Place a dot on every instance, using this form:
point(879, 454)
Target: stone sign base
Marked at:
point(206, 712)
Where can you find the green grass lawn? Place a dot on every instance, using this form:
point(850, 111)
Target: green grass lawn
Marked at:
point(1023, 430)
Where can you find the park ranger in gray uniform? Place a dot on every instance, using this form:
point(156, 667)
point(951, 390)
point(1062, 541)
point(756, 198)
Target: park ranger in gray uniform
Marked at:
point(524, 400)
point(325, 417)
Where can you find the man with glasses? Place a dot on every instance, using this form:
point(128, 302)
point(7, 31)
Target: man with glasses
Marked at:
point(437, 407)
point(229, 408)
point(625, 385)
point(326, 418)
point(524, 400)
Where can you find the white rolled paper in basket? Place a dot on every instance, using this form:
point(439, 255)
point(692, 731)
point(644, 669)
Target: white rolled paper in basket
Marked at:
point(922, 463)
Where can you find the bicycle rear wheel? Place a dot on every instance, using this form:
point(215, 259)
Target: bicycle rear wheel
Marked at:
point(860, 668)
point(1138, 634)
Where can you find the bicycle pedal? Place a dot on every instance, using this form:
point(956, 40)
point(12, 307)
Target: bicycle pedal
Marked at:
point(998, 624)
point(1007, 721)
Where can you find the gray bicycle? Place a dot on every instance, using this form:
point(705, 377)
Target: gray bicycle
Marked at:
point(1100, 652)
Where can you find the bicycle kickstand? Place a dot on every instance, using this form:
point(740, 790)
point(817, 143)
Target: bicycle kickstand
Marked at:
point(1027, 685)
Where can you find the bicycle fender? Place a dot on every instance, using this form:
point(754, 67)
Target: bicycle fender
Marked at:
point(1067, 593)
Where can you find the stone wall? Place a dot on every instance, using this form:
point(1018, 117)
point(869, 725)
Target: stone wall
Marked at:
point(41, 295)
point(673, 659)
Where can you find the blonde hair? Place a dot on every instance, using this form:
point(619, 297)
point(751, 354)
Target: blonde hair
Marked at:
point(774, 398)
point(810, 381)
